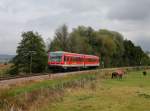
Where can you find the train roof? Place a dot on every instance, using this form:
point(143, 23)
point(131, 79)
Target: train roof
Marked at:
point(63, 52)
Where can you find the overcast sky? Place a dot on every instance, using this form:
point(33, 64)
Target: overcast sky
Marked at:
point(129, 17)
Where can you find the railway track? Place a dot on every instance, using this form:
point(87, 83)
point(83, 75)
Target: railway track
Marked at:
point(37, 74)
point(4, 81)
point(20, 76)
point(7, 81)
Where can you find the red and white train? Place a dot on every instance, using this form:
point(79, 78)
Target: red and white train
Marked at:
point(67, 60)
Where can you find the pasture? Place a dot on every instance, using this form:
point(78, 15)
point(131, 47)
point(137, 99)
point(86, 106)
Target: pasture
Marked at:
point(91, 92)
point(132, 93)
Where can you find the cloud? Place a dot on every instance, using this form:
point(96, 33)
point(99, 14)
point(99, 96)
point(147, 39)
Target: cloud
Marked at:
point(143, 40)
point(130, 17)
point(130, 10)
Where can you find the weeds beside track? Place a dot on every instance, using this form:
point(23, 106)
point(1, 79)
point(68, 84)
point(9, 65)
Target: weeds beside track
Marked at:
point(28, 77)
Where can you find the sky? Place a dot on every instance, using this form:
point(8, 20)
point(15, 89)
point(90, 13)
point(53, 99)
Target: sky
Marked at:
point(129, 17)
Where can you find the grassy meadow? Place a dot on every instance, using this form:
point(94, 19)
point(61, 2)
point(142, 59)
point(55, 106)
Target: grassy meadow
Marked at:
point(85, 92)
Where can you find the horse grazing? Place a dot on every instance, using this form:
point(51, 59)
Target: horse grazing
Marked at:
point(144, 73)
point(118, 74)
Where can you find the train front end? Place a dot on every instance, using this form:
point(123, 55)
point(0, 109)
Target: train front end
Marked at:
point(55, 60)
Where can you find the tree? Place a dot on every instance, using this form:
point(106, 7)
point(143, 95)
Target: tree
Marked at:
point(78, 44)
point(105, 45)
point(79, 41)
point(31, 54)
point(134, 55)
point(116, 58)
point(60, 41)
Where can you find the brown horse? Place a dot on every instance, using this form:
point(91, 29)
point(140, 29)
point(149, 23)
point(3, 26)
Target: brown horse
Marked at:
point(144, 73)
point(118, 74)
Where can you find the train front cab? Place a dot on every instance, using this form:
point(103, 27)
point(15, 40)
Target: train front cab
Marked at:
point(65, 61)
point(55, 60)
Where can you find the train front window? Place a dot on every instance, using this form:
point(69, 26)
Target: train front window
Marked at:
point(55, 57)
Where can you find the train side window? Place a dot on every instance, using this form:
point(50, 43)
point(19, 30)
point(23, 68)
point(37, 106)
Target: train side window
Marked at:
point(84, 59)
point(68, 59)
point(65, 58)
point(74, 59)
point(87, 60)
point(71, 59)
point(80, 59)
point(77, 59)
point(93, 60)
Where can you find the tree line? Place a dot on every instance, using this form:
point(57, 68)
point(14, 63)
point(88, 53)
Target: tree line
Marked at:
point(110, 46)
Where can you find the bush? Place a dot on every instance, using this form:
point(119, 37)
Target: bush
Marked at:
point(13, 71)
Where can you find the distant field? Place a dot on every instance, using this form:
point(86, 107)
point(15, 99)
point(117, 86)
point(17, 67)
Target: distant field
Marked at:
point(91, 92)
point(4, 68)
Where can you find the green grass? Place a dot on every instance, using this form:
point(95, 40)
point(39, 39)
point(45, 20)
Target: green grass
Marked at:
point(133, 79)
point(32, 95)
point(130, 94)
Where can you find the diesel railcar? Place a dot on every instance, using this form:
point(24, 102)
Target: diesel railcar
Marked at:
point(67, 60)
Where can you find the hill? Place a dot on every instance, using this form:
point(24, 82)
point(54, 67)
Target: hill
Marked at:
point(5, 58)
